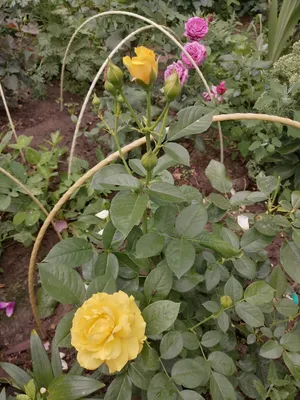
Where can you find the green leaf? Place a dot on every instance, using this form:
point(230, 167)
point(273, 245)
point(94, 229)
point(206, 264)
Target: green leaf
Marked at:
point(190, 122)
point(159, 316)
point(251, 314)
point(295, 199)
point(160, 388)
point(71, 252)
point(72, 387)
point(290, 341)
point(55, 360)
point(62, 337)
point(32, 217)
point(222, 363)
point(149, 245)
point(180, 256)
point(211, 338)
point(4, 202)
point(165, 192)
point(3, 394)
point(190, 341)
point(245, 266)
point(286, 307)
point(62, 283)
point(178, 153)
point(266, 224)
point(230, 237)
point(252, 241)
point(234, 289)
point(119, 389)
point(219, 201)
point(112, 239)
point(41, 365)
point(136, 165)
point(32, 156)
point(158, 283)
point(121, 182)
point(165, 218)
point(164, 162)
point(106, 264)
point(190, 395)
point(187, 282)
point(223, 321)
point(171, 345)
point(212, 276)
point(278, 281)
point(290, 260)
point(259, 293)
point(127, 210)
point(104, 283)
point(191, 221)
point(266, 184)
point(139, 377)
point(46, 304)
point(271, 350)
point(216, 174)
point(221, 388)
point(20, 378)
point(292, 361)
point(213, 242)
point(191, 373)
point(246, 382)
point(106, 172)
point(150, 359)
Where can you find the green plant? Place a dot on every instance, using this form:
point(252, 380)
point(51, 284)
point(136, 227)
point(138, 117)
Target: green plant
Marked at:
point(287, 68)
point(281, 26)
point(47, 380)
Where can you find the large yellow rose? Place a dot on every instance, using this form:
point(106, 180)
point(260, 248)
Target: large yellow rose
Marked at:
point(108, 328)
point(143, 66)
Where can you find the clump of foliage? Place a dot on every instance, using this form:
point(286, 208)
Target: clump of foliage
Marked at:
point(288, 66)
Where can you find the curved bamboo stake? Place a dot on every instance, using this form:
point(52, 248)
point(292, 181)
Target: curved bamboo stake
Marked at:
point(10, 121)
point(32, 196)
point(106, 161)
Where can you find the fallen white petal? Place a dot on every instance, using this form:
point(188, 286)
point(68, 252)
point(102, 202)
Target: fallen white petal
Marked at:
point(101, 232)
point(243, 222)
point(62, 355)
point(103, 214)
point(47, 346)
point(64, 365)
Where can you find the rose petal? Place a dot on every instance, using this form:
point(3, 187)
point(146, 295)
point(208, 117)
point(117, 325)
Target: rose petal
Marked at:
point(10, 308)
point(3, 305)
point(61, 225)
point(243, 222)
point(103, 214)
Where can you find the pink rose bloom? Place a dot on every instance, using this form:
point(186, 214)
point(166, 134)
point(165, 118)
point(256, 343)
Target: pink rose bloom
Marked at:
point(182, 72)
point(196, 28)
point(221, 88)
point(197, 51)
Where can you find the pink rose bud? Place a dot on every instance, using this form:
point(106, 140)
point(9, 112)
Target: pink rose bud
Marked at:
point(196, 28)
point(221, 88)
point(182, 72)
point(197, 51)
point(210, 18)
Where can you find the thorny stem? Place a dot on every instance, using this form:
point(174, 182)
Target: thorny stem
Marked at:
point(115, 136)
point(132, 112)
point(11, 122)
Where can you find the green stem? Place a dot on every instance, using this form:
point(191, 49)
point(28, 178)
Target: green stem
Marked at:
point(144, 222)
point(275, 194)
point(221, 143)
point(132, 112)
point(166, 107)
point(116, 138)
point(163, 125)
point(148, 108)
point(192, 329)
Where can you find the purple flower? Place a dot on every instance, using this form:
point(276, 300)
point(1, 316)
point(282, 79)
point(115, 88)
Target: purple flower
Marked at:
point(61, 225)
point(8, 307)
point(196, 28)
point(178, 67)
point(197, 51)
point(221, 88)
point(215, 91)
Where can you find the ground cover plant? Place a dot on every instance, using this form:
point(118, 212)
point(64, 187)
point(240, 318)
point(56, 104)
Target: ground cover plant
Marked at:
point(172, 293)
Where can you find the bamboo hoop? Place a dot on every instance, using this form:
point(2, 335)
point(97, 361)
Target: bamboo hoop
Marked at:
point(103, 163)
point(32, 196)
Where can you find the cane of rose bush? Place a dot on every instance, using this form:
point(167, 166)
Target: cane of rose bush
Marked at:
point(197, 51)
point(143, 66)
point(196, 28)
point(181, 70)
point(108, 329)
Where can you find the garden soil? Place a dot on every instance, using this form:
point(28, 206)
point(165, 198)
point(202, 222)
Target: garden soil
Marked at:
point(38, 118)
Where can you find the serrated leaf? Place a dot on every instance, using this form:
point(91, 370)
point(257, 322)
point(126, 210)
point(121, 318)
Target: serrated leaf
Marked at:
point(286, 307)
point(191, 221)
point(160, 388)
point(171, 345)
point(166, 192)
point(290, 341)
point(178, 153)
point(158, 283)
point(245, 266)
point(211, 338)
point(104, 283)
point(221, 388)
point(139, 377)
point(149, 245)
point(222, 363)
point(251, 314)
point(278, 281)
point(191, 373)
point(159, 316)
point(71, 252)
point(292, 361)
point(180, 256)
point(290, 260)
point(271, 350)
point(259, 293)
point(233, 289)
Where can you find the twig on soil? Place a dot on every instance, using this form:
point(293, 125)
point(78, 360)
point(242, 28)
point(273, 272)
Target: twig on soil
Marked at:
point(10, 121)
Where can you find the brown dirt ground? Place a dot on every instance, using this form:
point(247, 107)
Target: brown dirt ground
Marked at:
point(38, 118)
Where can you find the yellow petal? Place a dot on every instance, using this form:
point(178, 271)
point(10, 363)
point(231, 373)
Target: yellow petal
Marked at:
point(87, 361)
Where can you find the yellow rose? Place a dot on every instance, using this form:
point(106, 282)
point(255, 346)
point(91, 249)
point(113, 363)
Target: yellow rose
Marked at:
point(142, 67)
point(108, 328)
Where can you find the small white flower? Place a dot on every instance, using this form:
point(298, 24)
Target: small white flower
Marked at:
point(43, 390)
point(103, 214)
point(101, 232)
point(243, 222)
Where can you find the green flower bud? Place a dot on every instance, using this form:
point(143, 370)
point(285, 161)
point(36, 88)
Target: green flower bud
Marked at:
point(110, 88)
point(149, 160)
point(96, 100)
point(226, 301)
point(120, 99)
point(172, 87)
point(114, 75)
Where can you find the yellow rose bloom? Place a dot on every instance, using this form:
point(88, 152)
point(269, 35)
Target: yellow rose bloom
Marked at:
point(108, 328)
point(141, 66)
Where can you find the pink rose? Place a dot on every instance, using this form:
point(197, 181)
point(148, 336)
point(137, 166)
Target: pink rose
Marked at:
point(197, 51)
point(182, 72)
point(196, 28)
point(221, 88)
